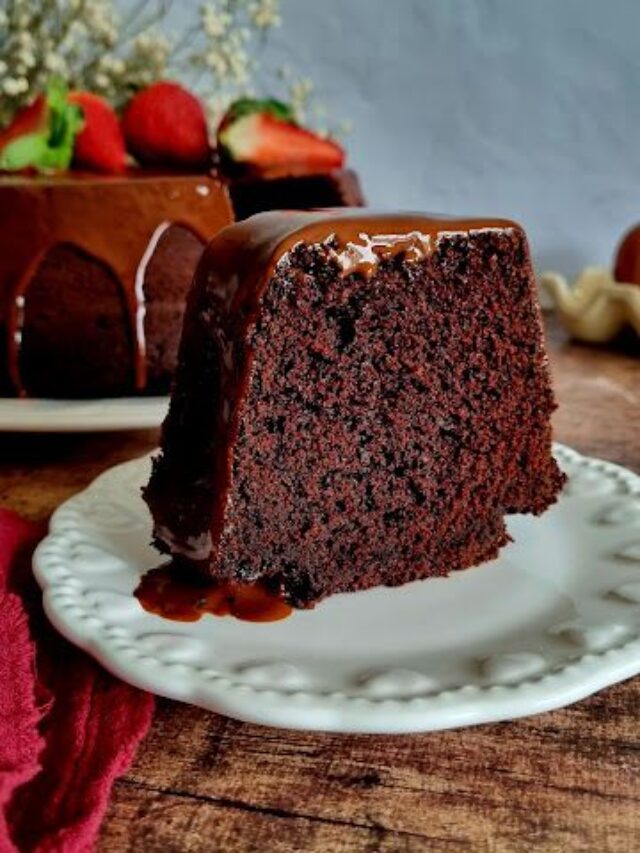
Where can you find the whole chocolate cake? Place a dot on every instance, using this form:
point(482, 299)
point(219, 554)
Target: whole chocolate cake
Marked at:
point(360, 399)
point(94, 272)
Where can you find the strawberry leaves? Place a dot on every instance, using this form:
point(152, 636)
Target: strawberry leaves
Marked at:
point(42, 135)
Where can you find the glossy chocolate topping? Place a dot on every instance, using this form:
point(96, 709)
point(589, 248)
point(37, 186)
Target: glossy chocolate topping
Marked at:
point(235, 271)
point(116, 220)
point(359, 239)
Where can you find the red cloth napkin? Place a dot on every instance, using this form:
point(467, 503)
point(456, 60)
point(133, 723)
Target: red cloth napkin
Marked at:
point(67, 728)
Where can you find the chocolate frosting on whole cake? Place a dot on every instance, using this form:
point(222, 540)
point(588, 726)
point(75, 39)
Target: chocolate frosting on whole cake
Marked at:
point(117, 221)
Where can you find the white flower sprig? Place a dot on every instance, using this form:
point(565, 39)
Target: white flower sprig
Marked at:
point(91, 45)
point(85, 42)
point(221, 54)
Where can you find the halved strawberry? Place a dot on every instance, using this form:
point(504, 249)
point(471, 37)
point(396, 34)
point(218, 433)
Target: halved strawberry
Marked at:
point(41, 136)
point(264, 137)
point(100, 144)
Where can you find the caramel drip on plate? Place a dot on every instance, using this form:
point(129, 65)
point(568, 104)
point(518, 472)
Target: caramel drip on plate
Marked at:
point(116, 221)
point(165, 592)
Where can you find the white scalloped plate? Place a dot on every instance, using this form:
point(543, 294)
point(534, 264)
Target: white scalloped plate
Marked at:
point(116, 413)
point(554, 619)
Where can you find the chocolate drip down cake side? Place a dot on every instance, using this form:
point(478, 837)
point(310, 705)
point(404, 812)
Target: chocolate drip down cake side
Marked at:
point(360, 400)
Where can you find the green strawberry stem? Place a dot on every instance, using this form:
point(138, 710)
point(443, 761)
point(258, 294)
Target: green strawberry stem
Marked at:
point(49, 145)
point(248, 106)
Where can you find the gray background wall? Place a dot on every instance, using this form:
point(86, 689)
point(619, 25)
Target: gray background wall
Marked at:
point(522, 108)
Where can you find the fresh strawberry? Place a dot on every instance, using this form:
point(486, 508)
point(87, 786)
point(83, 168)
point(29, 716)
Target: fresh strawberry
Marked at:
point(627, 259)
point(263, 136)
point(30, 120)
point(165, 125)
point(41, 136)
point(100, 144)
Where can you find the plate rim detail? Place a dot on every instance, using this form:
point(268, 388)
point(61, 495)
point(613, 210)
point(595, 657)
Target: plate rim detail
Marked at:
point(583, 672)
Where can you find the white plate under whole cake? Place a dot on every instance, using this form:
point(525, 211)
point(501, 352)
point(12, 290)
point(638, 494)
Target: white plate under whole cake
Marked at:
point(553, 619)
point(115, 413)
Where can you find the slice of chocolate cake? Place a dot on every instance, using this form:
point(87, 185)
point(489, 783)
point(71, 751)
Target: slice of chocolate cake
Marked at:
point(360, 400)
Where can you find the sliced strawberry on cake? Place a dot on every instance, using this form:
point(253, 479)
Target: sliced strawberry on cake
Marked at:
point(263, 137)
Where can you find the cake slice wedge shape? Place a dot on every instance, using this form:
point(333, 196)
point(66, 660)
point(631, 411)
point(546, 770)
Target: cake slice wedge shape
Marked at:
point(360, 400)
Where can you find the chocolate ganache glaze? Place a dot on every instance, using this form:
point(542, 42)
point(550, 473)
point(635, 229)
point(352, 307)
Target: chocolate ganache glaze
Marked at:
point(231, 279)
point(118, 221)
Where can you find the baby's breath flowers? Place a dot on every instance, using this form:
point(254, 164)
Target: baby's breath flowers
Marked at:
point(265, 13)
point(91, 44)
point(87, 43)
point(307, 109)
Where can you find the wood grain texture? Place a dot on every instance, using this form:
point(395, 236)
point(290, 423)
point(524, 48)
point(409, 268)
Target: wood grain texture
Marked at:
point(562, 781)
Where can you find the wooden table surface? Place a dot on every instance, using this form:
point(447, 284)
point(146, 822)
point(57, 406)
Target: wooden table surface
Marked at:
point(565, 781)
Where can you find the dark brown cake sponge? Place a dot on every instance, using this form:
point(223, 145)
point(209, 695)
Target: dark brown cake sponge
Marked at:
point(359, 401)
